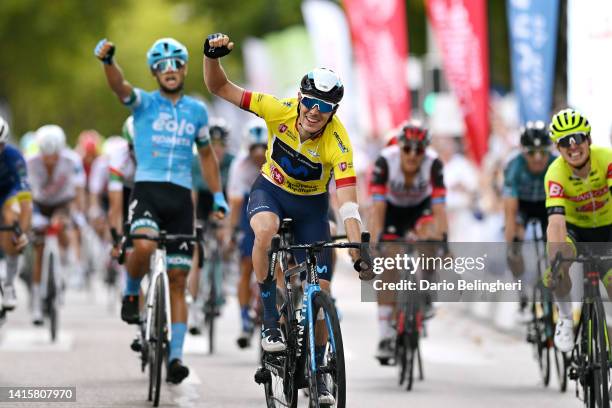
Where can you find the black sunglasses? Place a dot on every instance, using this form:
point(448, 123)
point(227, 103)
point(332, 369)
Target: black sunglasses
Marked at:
point(576, 138)
point(418, 149)
point(533, 152)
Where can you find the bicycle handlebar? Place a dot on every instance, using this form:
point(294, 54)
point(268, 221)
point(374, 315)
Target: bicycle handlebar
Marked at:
point(362, 264)
point(15, 228)
point(166, 238)
point(580, 258)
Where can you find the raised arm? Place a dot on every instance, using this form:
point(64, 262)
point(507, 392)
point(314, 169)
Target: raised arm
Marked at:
point(216, 46)
point(104, 51)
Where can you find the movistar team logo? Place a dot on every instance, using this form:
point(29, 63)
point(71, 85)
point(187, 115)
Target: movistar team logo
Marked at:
point(295, 164)
point(285, 163)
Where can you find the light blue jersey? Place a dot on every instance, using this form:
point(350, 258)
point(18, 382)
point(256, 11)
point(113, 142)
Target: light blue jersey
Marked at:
point(164, 136)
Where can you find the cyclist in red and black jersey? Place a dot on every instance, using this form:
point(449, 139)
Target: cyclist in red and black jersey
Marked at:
point(408, 190)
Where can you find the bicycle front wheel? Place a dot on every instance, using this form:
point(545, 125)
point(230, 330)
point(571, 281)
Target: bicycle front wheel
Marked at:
point(51, 299)
point(599, 356)
point(332, 368)
point(158, 338)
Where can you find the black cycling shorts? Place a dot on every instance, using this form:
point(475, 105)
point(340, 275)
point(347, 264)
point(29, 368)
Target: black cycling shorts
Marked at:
point(401, 220)
point(166, 207)
point(205, 204)
point(528, 210)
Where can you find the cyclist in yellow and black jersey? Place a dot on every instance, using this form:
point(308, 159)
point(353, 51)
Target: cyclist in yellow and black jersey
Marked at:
point(578, 203)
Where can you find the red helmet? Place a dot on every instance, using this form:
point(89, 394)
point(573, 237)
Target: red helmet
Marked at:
point(413, 131)
point(88, 142)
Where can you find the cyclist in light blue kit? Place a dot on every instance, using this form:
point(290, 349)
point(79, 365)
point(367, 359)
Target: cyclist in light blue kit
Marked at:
point(166, 124)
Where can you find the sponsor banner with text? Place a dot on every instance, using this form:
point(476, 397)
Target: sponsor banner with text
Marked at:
point(533, 41)
point(380, 42)
point(460, 28)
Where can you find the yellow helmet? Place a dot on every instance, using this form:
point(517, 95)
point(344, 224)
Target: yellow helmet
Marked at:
point(568, 122)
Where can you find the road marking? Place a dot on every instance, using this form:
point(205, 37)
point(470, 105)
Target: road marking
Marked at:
point(186, 394)
point(459, 354)
point(35, 340)
point(195, 344)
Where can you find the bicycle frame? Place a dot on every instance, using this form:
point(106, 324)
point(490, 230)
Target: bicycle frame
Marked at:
point(51, 246)
point(158, 271)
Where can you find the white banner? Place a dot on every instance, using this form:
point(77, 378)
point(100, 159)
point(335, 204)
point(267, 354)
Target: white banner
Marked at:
point(330, 37)
point(589, 64)
point(257, 66)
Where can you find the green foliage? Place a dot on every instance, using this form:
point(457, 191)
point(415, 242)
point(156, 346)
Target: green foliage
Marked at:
point(44, 44)
point(49, 74)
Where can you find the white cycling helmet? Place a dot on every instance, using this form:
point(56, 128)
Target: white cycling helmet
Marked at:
point(51, 139)
point(4, 130)
point(256, 132)
point(114, 145)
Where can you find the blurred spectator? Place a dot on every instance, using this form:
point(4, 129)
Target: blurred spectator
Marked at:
point(461, 179)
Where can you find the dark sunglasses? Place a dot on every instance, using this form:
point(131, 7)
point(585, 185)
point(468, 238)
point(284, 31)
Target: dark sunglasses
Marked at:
point(258, 146)
point(533, 152)
point(324, 107)
point(417, 148)
point(576, 138)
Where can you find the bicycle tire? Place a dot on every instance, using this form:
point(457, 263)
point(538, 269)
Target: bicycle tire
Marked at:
point(209, 315)
point(209, 323)
point(51, 304)
point(412, 333)
point(561, 361)
point(336, 377)
point(420, 364)
point(543, 330)
point(601, 352)
point(401, 346)
point(281, 391)
point(156, 352)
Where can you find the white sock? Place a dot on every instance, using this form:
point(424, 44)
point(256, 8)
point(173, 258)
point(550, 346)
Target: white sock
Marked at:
point(564, 304)
point(12, 261)
point(385, 313)
point(36, 301)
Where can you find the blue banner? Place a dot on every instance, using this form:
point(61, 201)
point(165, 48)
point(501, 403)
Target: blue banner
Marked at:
point(533, 41)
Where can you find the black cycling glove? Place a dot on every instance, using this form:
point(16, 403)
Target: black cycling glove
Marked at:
point(215, 52)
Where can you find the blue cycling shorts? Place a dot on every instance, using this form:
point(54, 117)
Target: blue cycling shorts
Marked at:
point(248, 236)
point(309, 214)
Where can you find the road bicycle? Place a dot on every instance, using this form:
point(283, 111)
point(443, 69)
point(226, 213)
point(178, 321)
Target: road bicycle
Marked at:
point(212, 282)
point(589, 362)
point(283, 374)
point(52, 282)
point(541, 328)
point(409, 322)
point(155, 330)
point(16, 230)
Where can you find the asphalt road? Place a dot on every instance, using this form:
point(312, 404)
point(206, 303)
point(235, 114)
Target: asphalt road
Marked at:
point(466, 362)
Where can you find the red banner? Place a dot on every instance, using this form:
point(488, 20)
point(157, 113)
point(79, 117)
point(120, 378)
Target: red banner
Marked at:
point(380, 41)
point(460, 27)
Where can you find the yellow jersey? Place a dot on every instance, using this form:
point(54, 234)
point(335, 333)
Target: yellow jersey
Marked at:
point(585, 202)
point(302, 168)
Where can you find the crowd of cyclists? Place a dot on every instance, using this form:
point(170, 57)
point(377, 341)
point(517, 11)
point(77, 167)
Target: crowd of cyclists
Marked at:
point(171, 167)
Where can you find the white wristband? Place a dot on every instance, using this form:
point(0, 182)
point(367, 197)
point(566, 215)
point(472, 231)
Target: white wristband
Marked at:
point(349, 210)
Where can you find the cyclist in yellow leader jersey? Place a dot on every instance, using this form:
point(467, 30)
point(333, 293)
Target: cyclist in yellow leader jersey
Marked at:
point(578, 203)
point(307, 144)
